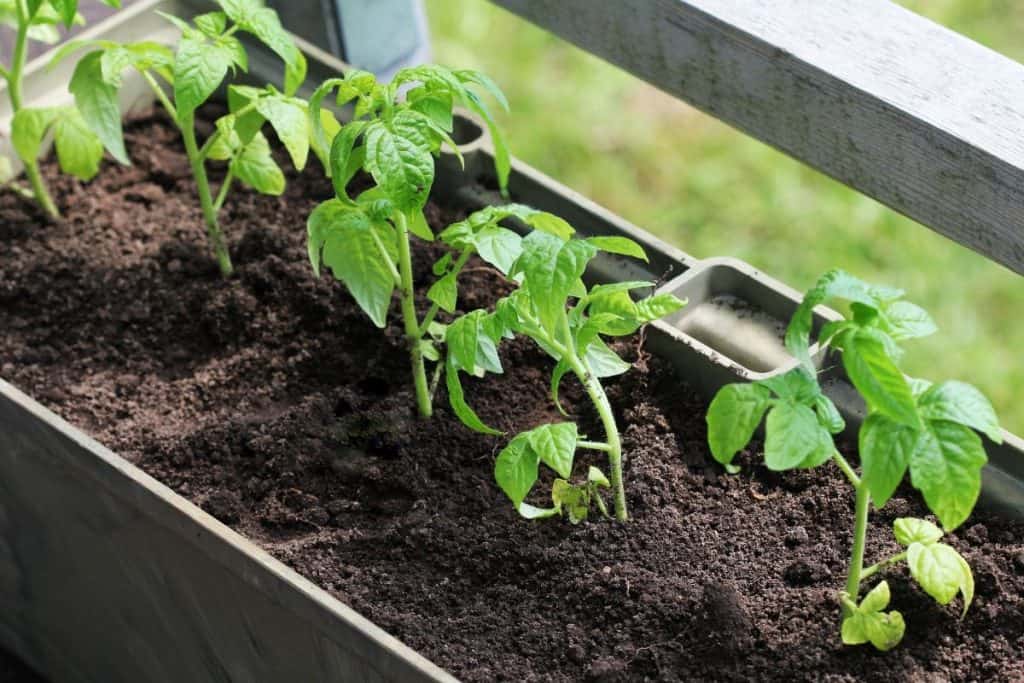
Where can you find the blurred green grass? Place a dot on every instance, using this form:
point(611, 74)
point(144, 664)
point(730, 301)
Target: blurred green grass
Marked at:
point(714, 191)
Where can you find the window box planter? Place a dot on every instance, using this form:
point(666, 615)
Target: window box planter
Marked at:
point(107, 574)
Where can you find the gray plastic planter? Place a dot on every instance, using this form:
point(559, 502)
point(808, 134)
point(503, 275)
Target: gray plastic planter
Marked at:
point(107, 575)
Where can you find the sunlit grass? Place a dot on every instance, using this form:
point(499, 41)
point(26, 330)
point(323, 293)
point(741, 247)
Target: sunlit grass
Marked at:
point(713, 191)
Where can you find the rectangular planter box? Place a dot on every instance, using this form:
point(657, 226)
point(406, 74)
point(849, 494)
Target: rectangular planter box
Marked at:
point(107, 575)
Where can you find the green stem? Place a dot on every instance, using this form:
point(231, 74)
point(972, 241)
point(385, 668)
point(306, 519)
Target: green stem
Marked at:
point(594, 445)
point(222, 195)
point(604, 410)
point(14, 81)
point(213, 230)
point(860, 529)
point(846, 469)
point(412, 331)
point(879, 566)
point(160, 94)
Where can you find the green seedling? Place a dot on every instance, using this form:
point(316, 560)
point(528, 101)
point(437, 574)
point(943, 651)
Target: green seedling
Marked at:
point(79, 151)
point(553, 307)
point(207, 51)
point(911, 425)
point(394, 138)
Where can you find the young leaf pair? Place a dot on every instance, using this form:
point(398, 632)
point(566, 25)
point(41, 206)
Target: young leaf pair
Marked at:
point(554, 308)
point(79, 150)
point(207, 51)
point(911, 425)
point(394, 138)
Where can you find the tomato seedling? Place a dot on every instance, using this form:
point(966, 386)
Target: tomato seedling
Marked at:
point(553, 307)
point(207, 51)
point(394, 137)
point(911, 424)
point(79, 151)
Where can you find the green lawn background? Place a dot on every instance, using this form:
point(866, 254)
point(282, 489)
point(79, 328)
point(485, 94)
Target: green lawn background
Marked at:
point(713, 191)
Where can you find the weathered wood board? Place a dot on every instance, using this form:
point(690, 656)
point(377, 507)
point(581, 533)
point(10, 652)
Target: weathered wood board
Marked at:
point(906, 111)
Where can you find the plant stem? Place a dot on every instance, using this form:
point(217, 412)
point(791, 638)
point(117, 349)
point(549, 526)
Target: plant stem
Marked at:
point(611, 430)
point(412, 328)
point(160, 94)
point(188, 133)
point(14, 80)
point(222, 195)
point(879, 566)
point(860, 528)
point(594, 445)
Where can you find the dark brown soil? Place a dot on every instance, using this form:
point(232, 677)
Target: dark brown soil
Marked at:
point(273, 403)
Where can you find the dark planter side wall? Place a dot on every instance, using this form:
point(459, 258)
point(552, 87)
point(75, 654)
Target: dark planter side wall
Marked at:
point(107, 575)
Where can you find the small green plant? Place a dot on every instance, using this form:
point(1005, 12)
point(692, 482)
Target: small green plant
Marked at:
point(366, 241)
point(911, 424)
point(207, 51)
point(553, 307)
point(79, 151)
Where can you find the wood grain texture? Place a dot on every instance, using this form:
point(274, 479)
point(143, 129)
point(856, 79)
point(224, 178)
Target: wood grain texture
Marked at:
point(896, 106)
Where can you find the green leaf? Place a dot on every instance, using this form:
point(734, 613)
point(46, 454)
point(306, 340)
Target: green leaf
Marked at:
point(602, 361)
point(794, 438)
point(547, 222)
point(264, 23)
point(98, 103)
point(457, 400)
point(909, 530)
point(734, 414)
point(515, 469)
point(941, 572)
point(556, 380)
point(596, 476)
point(290, 121)
point(828, 414)
point(833, 284)
point(960, 402)
point(28, 128)
point(79, 150)
point(498, 246)
point(461, 338)
point(346, 237)
point(619, 245)
point(471, 76)
point(946, 467)
point(255, 166)
point(552, 267)
point(141, 56)
point(67, 9)
point(555, 444)
point(444, 292)
point(600, 291)
point(502, 158)
point(211, 23)
point(398, 157)
point(418, 226)
point(905, 320)
point(797, 385)
point(295, 72)
point(885, 448)
point(877, 378)
point(436, 105)
point(868, 623)
point(532, 512)
point(341, 155)
point(199, 67)
point(657, 306)
point(572, 500)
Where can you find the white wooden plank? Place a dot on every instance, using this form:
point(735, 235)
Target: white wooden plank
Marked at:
point(906, 111)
